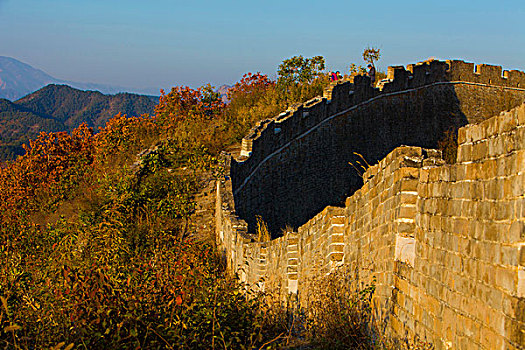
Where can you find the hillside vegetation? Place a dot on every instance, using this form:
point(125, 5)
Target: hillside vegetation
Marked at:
point(62, 108)
point(18, 125)
point(95, 247)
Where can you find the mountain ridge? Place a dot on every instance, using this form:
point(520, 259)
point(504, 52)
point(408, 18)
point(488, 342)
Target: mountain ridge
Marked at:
point(18, 79)
point(62, 108)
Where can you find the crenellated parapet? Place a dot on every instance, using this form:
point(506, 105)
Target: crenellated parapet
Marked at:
point(305, 150)
point(278, 131)
point(443, 243)
point(344, 94)
point(485, 74)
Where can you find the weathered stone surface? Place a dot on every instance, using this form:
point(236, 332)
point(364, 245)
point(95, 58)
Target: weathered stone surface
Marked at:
point(308, 159)
point(444, 243)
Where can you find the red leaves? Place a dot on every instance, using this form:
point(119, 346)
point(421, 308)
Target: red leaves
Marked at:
point(121, 133)
point(183, 102)
point(52, 166)
point(251, 84)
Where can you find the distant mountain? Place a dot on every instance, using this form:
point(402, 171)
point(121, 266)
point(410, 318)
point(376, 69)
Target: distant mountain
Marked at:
point(62, 108)
point(18, 79)
point(73, 107)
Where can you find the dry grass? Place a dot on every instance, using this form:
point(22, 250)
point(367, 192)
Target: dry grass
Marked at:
point(263, 234)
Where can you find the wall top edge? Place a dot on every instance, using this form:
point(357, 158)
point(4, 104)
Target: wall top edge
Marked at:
point(398, 79)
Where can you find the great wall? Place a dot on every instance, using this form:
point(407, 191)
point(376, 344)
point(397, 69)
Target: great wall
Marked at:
point(444, 243)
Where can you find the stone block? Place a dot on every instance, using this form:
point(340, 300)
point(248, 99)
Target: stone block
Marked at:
point(479, 151)
point(475, 132)
point(464, 153)
point(518, 185)
point(405, 227)
point(492, 126)
point(424, 175)
point(509, 256)
point(504, 211)
point(517, 231)
point(489, 169)
point(520, 208)
point(492, 148)
point(511, 164)
point(409, 185)
point(521, 115)
point(507, 279)
point(521, 282)
point(407, 211)
point(405, 250)
point(506, 123)
point(293, 286)
point(462, 135)
point(336, 256)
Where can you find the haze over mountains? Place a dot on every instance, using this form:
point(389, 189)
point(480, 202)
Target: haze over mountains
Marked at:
point(18, 79)
point(32, 101)
point(62, 108)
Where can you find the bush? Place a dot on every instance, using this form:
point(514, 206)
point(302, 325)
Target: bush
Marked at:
point(85, 287)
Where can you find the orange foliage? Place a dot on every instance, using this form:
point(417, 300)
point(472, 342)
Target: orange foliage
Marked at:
point(52, 167)
point(183, 103)
point(123, 133)
point(250, 84)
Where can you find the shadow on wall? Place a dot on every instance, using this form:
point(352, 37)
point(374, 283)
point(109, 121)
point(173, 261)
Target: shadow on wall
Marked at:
point(298, 163)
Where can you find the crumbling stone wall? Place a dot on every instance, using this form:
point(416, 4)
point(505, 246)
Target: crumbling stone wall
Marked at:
point(444, 243)
point(302, 155)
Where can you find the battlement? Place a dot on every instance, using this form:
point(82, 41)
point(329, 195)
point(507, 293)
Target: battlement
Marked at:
point(344, 95)
point(443, 243)
point(306, 149)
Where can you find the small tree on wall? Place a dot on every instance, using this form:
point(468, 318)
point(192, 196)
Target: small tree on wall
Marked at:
point(371, 55)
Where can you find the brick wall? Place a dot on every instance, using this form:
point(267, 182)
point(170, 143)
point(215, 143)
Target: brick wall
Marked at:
point(465, 286)
point(302, 155)
point(444, 243)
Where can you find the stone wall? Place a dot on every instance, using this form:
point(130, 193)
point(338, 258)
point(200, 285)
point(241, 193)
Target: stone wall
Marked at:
point(466, 284)
point(444, 243)
point(303, 154)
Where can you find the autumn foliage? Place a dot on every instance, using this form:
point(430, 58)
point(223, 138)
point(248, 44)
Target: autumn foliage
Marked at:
point(95, 246)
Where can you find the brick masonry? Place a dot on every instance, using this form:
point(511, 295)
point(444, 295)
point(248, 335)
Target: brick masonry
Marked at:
point(445, 244)
point(304, 153)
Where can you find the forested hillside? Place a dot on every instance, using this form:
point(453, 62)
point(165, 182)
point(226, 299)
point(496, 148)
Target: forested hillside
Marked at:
point(62, 108)
point(96, 249)
point(73, 107)
point(18, 125)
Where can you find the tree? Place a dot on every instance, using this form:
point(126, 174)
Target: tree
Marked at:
point(371, 54)
point(186, 104)
point(210, 97)
point(300, 70)
point(355, 69)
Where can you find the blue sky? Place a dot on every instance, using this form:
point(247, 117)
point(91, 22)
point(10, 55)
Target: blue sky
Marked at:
point(163, 43)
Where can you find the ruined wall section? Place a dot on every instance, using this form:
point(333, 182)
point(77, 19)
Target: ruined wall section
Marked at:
point(445, 244)
point(303, 154)
point(276, 266)
point(380, 221)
